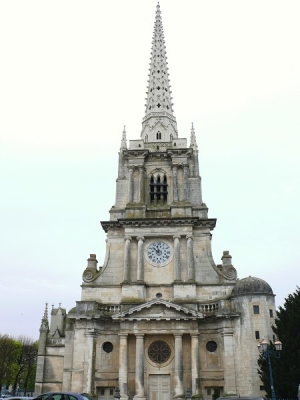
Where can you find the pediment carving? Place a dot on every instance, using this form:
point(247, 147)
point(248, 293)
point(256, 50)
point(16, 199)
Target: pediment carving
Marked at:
point(157, 310)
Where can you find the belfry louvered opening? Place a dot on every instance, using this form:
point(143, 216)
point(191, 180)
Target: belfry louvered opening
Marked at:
point(158, 189)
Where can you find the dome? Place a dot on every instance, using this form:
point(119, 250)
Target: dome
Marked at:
point(251, 285)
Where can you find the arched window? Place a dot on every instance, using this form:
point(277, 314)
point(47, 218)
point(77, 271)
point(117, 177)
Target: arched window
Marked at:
point(158, 135)
point(152, 189)
point(158, 189)
point(165, 189)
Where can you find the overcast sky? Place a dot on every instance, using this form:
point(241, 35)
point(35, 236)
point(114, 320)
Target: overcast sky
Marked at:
point(73, 73)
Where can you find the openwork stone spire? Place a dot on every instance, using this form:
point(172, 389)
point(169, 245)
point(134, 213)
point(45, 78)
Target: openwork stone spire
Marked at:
point(159, 111)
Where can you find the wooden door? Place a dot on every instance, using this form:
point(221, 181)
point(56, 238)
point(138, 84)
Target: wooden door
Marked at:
point(159, 386)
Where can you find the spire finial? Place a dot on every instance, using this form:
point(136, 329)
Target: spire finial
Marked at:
point(193, 143)
point(123, 141)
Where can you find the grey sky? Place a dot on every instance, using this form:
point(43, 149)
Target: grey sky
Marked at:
point(74, 72)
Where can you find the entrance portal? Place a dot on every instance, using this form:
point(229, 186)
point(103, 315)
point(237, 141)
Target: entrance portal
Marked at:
point(105, 393)
point(159, 387)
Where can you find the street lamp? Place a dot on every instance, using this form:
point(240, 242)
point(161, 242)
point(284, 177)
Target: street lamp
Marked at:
point(266, 352)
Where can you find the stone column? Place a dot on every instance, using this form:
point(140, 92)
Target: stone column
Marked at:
point(141, 182)
point(178, 367)
point(177, 269)
point(123, 370)
point(175, 184)
point(190, 258)
point(130, 186)
point(229, 362)
point(140, 261)
point(90, 361)
point(127, 258)
point(195, 363)
point(139, 368)
point(186, 181)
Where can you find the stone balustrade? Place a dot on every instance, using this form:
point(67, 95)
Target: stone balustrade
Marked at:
point(208, 308)
point(112, 309)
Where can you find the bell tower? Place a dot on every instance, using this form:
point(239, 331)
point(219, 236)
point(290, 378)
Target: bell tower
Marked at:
point(159, 233)
point(158, 319)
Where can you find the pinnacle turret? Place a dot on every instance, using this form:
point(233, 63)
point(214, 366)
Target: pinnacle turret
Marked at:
point(123, 141)
point(159, 110)
point(45, 323)
point(193, 143)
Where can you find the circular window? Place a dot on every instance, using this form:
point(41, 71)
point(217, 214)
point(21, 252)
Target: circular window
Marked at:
point(211, 346)
point(159, 352)
point(108, 347)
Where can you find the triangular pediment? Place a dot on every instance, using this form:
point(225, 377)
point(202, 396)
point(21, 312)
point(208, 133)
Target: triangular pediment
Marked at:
point(157, 310)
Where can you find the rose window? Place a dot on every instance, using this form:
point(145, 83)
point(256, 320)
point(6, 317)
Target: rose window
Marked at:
point(159, 352)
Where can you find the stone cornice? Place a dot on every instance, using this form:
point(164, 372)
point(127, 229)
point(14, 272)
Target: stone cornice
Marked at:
point(158, 222)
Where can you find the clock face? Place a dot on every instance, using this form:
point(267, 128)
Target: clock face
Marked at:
point(159, 253)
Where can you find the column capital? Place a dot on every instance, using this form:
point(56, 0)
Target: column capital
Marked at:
point(227, 332)
point(138, 238)
point(139, 335)
point(176, 237)
point(195, 335)
point(90, 334)
point(177, 334)
point(189, 237)
point(123, 334)
point(128, 238)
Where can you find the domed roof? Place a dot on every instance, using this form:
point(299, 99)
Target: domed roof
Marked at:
point(251, 285)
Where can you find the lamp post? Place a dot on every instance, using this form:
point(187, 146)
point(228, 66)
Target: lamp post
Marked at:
point(266, 352)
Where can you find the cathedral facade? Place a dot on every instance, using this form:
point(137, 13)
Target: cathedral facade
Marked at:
point(159, 319)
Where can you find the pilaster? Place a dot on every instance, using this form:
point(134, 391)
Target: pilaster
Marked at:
point(175, 183)
point(190, 258)
point(177, 266)
point(139, 368)
point(140, 261)
point(90, 360)
point(186, 181)
point(127, 240)
point(229, 362)
point(123, 369)
point(195, 363)
point(178, 368)
point(130, 185)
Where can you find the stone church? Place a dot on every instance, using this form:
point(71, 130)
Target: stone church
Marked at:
point(159, 319)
